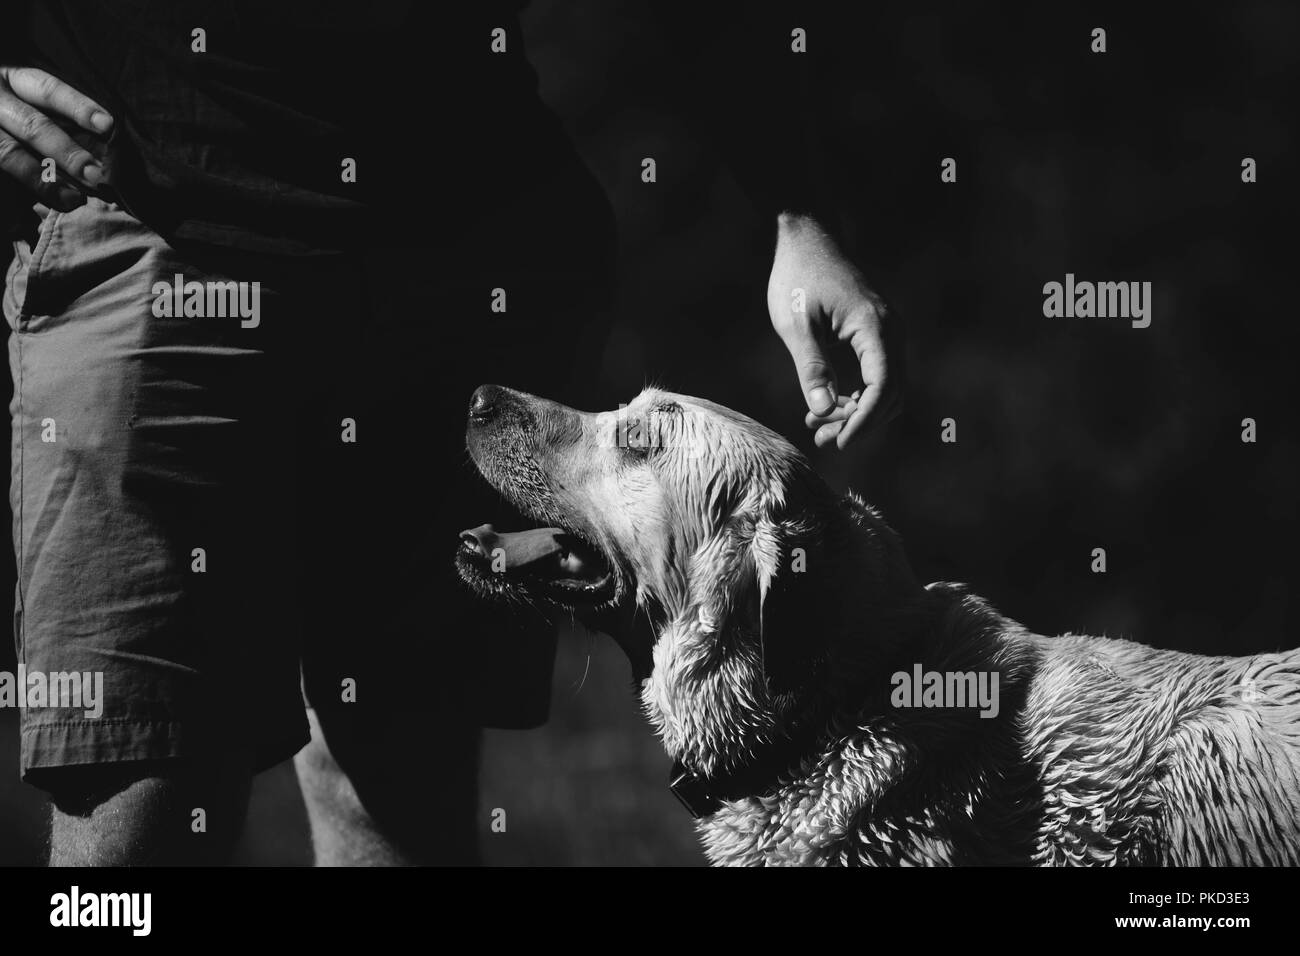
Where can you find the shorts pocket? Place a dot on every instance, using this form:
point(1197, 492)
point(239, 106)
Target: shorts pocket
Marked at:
point(22, 283)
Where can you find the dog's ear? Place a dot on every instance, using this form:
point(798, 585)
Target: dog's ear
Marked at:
point(791, 587)
point(772, 569)
point(794, 574)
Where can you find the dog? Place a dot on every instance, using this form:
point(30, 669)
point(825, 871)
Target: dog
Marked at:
point(785, 623)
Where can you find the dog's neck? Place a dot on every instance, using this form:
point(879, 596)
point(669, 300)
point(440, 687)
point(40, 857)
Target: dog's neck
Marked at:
point(764, 770)
point(736, 694)
point(824, 790)
point(727, 741)
point(733, 736)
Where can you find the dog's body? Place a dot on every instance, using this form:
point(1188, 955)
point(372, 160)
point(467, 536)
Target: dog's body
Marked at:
point(783, 617)
point(1112, 753)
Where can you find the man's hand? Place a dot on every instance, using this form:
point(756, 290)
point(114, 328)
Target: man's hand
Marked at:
point(809, 273)
point(28, 98)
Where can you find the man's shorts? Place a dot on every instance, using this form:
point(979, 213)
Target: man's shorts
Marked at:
point(234, 477)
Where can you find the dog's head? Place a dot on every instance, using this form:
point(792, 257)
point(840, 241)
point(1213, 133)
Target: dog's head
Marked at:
point(757, 579)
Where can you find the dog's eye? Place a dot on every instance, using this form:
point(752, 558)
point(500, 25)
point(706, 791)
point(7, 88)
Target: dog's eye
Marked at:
point(634, 438)
point(642, 435)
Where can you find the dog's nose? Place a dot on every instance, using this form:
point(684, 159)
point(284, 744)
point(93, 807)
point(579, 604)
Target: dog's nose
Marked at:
point(483, 403)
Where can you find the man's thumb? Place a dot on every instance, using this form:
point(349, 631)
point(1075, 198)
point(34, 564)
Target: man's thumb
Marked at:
point(815, 375)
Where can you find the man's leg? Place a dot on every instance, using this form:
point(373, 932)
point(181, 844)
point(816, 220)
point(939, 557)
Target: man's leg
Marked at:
point(402, 796)
point(127, 816)
point(144, 487)
point(343, 832)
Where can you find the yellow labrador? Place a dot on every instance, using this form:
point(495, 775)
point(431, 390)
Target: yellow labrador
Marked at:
point(823, 707)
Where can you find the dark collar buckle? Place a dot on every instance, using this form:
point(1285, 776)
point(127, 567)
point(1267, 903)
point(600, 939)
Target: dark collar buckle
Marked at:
point(692, 791)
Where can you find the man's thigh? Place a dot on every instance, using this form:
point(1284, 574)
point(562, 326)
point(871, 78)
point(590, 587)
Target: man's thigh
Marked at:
point(148, 474)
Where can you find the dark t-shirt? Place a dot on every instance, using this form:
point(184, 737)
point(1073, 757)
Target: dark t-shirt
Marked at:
point(244, 144)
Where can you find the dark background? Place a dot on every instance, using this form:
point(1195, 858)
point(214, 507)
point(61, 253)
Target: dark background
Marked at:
point(1072, 433)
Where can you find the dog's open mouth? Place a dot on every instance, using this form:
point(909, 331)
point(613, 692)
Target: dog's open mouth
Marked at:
point(550, 562)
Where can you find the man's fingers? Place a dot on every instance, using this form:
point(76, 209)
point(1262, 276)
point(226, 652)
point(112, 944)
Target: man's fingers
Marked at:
point(826, 434)
point(815, 375)
point(42, 138)
point(867, 417)
point(839, 414)
point(17, 162)
point(844, 407)
point(877, 401)
point(867, 409)
point(51, 95)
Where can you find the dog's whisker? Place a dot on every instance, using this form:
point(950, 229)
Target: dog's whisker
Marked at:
point(582, 682)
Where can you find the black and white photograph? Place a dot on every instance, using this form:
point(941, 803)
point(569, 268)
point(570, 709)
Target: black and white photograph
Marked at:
point(574, 434)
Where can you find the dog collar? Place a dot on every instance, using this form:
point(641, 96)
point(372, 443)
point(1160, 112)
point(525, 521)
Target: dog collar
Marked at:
point(692, 791)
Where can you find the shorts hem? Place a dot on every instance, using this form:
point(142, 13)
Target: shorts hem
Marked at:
point(84, 743)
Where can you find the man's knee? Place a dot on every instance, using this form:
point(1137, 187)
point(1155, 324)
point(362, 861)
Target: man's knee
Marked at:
point(187, 813)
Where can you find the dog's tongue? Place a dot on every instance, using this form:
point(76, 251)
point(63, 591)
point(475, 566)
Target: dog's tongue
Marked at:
point(521, 548)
